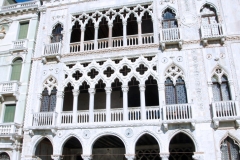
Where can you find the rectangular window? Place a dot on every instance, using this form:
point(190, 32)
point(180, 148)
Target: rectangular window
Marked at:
point(9, 113)
point(23, 30)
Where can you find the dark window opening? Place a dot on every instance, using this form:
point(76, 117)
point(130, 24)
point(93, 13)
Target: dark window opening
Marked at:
point(57, 34)
point(221, 91)
point(72, 149)
point(48, 101)
point(83, 98)
point(89, 31)
point(229, 149)
point(147, 24)
point(68, 98)
point(117, 29)
point(151, 92)
point(169, 20)
point(100, 96)
point(175, 94)
point(132, 26)
point(103, 29)
point(76, 33)
point(133, 93)
point(181, 147)
point(116, 95)
point(125, 70)
point(147, 148)
point(93, 73)
point(44, 149)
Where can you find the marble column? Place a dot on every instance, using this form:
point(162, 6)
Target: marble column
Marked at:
point(110, 26)
point(96, 37)
point(125, 102)
point(130, 156)
point(92, 92)
point(142, 98)
point(82, 39)
point(108, 103)
point(59, 105)
point(75, 105)
point(139, 31)
point(124, 33)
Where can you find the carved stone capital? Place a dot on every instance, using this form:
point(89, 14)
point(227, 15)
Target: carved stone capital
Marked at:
point(75, 92)
point(125, 88)
point(82, 29)
point(142, 87)
point(130, 156)
point(56, 157)
point(86, 157)
point(197, 156)
point(39, 96)
point(164, 156)
point(91, 90)
point(60, 94)
point(108, 90)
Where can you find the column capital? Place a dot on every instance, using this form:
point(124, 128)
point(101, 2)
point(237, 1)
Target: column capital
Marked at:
point(39, 96)
point(86, 157)
point(130, 156)
point(164, 156)
point(60, 94)
point(110, 25)
point(108, 90)
point(197, 156)
point(56, 157)
point(139, 21)
point(142, 87)
point(124, 23)
point(82, 29)
point(91, 90)
point(96, 26)
point(75, 92)
point(125, 88)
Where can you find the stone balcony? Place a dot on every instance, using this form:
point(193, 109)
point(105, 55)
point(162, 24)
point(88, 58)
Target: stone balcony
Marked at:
point(52, 51)
point(170, 36)
point(181, 113)
point(10, 130)
point(20, 7)
point(9, 88)
point(212, 32)
point(113, 42)
point(224, 111)
point(19, 46)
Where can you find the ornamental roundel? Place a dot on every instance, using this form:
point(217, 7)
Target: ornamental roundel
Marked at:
point(86, 134)
point(128, 132)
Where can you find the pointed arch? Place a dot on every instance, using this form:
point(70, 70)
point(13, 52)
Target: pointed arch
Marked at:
point(38, 140)
point(229, 148)
point(68, 137)
point(212, 5)
point(217, 68)
point(56, 34)
point(231, 136)
point(49, 83)
point(169, 7)
point(173, 71)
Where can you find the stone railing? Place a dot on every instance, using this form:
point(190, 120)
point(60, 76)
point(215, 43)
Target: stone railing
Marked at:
point(177, 112)
point(20, 6)
point(52, 49)
point(75, 47)
point(19, 44)
point(116, 114)
point(43, 119)
point(132, 40)
point(9, 87)
point(67, 117)
point(170, 35)
point(10, 129)
point(88, 45)
point(211, 31)
point(225, 109)
point(100, 115)
point(103, 43)
point(147, 38)
point(83, 116)
point(117, 41)
point(134, 113)
point(153, 113)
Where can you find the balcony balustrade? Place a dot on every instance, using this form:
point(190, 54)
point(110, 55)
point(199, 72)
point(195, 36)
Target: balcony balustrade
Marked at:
point(52, 51)
point(9, 88)
point(132, 40)
point(19, 45)
point(20, 6)
point(212, 32)
point(170, 36)
point(225, 111)
point(177, 113)
point(9, 129)
point(44, 119)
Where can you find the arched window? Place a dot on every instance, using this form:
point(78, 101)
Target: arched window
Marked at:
point(208, 14)
point(4, 156)
point(229, 149)
point(169, 20)
point(16, 69)
point(175, 94)
point(57, 34)
point(220, 88)
point(48, 101)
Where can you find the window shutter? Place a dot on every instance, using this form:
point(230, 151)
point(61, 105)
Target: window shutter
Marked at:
point(23, 30)
point(16, 70)
point(9, 113)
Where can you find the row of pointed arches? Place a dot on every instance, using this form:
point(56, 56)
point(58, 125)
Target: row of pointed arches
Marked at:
point(181, 147)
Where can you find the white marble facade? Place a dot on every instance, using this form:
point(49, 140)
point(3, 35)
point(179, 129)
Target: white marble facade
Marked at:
point(201, 46)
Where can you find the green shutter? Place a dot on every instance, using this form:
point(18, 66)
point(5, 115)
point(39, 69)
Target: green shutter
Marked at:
point(9, 113)
point(16, 70)
point(23, 30)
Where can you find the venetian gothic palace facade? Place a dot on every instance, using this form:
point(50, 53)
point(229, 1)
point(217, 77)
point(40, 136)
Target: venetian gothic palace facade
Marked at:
point(139, 79)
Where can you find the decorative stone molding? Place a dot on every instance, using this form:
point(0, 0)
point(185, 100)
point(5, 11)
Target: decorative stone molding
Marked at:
point(86, 157)
point(56, 157)
point(164, 156)
point(130, 156)
point(197, 156)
